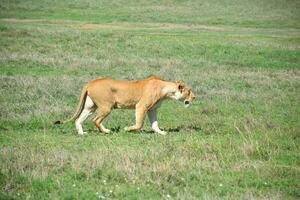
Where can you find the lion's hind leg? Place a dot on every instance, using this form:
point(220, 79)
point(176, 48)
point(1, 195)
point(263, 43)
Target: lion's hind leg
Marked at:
point(102, 113)
point(89, 108)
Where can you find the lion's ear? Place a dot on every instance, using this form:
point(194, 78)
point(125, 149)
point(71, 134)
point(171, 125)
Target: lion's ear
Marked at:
point(179, 82)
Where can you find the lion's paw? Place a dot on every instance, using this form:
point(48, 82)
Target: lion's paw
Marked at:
point(83, 133)
point(162, 132)
point(106, 131)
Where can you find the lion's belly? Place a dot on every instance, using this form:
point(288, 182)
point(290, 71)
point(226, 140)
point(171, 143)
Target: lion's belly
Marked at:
point(125, 103)
point(126, 97)
point(118, 105)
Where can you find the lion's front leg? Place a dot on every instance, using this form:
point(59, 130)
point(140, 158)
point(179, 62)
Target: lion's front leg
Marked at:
point(140, 113)
point(154, 124)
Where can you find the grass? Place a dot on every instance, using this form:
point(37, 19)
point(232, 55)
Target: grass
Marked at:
point(239, 140)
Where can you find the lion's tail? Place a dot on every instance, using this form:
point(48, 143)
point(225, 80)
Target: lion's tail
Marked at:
point(79, 107)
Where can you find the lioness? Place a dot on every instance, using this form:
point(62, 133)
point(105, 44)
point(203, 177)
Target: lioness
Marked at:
point(143, 95)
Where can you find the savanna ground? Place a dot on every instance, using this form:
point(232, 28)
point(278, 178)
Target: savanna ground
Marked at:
point(239, 140)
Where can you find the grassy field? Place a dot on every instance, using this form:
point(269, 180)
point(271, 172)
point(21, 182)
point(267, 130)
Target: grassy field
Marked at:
point(239, 140)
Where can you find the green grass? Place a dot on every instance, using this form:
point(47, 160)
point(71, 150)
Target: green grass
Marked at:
point(239, 140)
point(255, 13)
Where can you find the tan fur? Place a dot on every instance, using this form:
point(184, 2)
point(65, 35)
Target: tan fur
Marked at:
point(143, 95)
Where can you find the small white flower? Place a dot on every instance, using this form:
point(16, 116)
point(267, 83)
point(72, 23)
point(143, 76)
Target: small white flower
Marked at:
point(265, 183)
point(74, 185)
point(168, 196)
point(97, 193)
point(220, 184)
point(110, 191)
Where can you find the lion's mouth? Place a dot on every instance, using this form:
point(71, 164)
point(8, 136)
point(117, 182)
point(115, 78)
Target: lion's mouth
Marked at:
point(186, 103)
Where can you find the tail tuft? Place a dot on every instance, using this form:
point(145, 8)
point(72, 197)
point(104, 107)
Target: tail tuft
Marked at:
point(58, 122)
point(79, 109)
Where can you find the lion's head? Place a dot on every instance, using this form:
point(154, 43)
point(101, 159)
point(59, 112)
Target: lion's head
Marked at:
point(183, 93)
